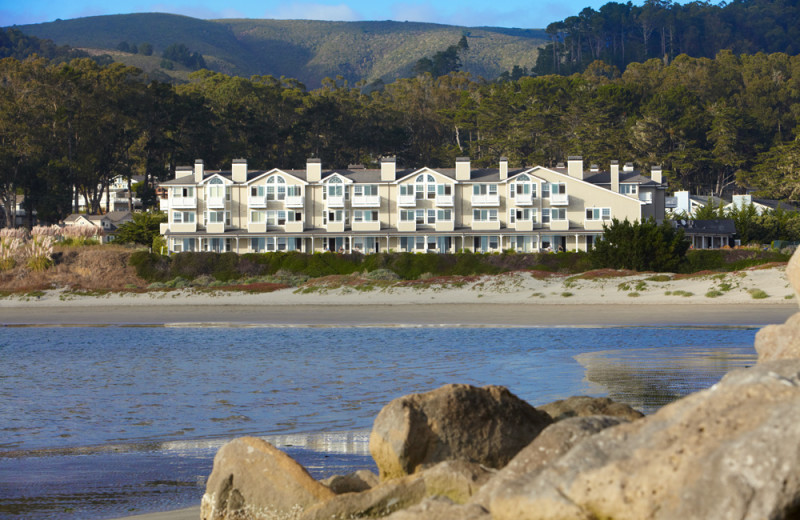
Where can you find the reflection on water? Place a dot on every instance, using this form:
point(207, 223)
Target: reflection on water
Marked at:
point(647, 379)
point(102, 422)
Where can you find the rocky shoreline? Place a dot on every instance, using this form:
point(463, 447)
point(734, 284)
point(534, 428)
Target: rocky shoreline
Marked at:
point(462, 452)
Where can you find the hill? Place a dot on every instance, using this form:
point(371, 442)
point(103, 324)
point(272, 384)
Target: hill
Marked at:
point(303, 49)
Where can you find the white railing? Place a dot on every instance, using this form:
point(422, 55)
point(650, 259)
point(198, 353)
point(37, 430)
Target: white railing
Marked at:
point(444, 200)
point(163, 204)
point(366, 201)
point(183, 202)
point(407, 200)
point(559, 199)
point(294, 201)
point(523, 200)
point(256, 202)
point(335, 202)
point(486, 200)
point(216, 202)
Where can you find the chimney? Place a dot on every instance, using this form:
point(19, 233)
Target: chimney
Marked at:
point(628, 167)
point(182, 171)
point(199, 170)
point(388, 169)
point(313, 170)
point(462, 169)
point(594, 168)
point(239, 171)
point(615, 176)
point(503, 168)
point(655, 174)
point(575, 166)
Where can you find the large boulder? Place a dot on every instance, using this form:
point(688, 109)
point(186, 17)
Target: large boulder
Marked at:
point(585, 406)
point(486, 425)
point(455, 480)
point(254, 480)
point(554, 441)
point(779, 341)
point(732, 451)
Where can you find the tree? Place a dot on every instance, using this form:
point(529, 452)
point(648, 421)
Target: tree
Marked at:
point(145, 49)
point(641, 246)
point(144, 227)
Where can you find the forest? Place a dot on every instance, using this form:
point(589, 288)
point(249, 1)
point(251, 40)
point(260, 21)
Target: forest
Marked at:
point(714, 124)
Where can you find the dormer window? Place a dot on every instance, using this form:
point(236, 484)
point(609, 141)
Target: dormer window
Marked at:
point(276, 188)
point(216, 188)
point(426, 186)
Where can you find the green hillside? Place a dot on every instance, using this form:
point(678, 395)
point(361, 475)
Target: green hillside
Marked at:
point(303, 49)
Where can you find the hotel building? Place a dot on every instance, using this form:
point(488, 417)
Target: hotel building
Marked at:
point(416, 210)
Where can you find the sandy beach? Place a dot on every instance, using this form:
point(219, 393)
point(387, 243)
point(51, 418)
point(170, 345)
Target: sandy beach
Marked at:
point(751, 297)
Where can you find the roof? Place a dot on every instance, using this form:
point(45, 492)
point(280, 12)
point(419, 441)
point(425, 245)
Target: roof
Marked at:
point(118, 216)
point(604, 177)
point(721, 226)
point(774, 204)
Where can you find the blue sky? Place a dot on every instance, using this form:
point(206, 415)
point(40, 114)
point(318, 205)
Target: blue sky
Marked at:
point(508, 13)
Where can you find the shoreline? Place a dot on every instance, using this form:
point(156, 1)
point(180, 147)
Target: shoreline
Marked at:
point(398, 315)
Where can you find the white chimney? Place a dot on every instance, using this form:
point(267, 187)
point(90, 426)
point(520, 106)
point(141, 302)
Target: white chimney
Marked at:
point(575, 166)
point(389, 169)
point(462, 169)
point(503, 168)
point(182, 171)
point(239, 171)
point(199, 170)
point(683, 205)
point(628, 167)
point(655, 174)
point(615, 176)
point(313, 170)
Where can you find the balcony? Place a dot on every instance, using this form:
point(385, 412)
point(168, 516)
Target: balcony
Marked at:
point(559, 199)
point(163, 204)
point(523, 200)
point(256, 202)
point(294, 201)
point(374, 225)
point(444, 201)
point(257, 227)
point(163, 227)
point(216, 202)
point(366, 201)
point(486, 200)
point(444, 225)
point(334, 202)
point(183, 202)
point(523, 225)
point(407, 200)
point(335, 226)
point(406, 225)
point(559, 225)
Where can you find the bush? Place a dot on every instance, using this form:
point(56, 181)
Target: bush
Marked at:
point(640, 246)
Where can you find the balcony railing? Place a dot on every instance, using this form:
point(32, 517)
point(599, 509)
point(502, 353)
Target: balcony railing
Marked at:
point(406, 200)
point(559, 199)
point(216, 202)
point(486, 200)
point(444, 201)
point(335, 202)
point(183, 202)
point(163, 204)
point(523, 200)
point(256, 202)
point(366, 201)
point(294, 201)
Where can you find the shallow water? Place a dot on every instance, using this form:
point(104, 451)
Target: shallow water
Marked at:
point(102, 422)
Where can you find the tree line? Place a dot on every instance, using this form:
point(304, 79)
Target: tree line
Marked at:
point(623, 33)
point(712, 123)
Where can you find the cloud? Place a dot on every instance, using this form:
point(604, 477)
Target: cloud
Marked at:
point(311, 11)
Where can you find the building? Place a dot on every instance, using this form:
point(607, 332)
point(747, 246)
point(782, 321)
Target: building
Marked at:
point(389, 209)
point(684, 205)
point(760, 205)
point(708, 234)
point(114, 197)
point(106, 225)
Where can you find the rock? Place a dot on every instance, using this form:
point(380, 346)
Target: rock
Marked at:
point(584, 406)
point(552, 443)
point(252, 479)
point(486, 425)
point(455, 480)
point(440, 508)
point(732, 451)
point(793, 273)
point(357, 482)
point(779, 341)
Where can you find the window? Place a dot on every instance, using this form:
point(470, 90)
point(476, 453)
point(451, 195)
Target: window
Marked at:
point(216, 217)
point(183, 217)
point(444, 215)
point(426, 186)
point(406, 189)
point(257, 191)
point(365, 190)
point(545, 216)
point(598, 213)
point(627, 189)
point(365, 216)
point(484, 215)
point(431, 216)
point(420, 216)
point(258, 216)
point(338, 215)
point(293, 191)
point(545, 191)
point(484, 189)
point(558, 188)
point(519, 214)
point(407, 215)
point(295, 216)
point(558, 214)
point(216, 189)
point(183, 191)
point(444, 189)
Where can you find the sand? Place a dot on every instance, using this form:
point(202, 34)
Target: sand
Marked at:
point(518, 298)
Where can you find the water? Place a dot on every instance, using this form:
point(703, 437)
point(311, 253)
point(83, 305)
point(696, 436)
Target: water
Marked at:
point(108, 421)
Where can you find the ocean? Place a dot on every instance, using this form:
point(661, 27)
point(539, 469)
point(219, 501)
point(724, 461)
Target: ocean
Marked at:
point(103, 422)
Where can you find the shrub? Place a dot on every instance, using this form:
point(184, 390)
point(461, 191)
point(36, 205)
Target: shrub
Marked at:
point(641, 246)
point(758, 294)
point(382, 274)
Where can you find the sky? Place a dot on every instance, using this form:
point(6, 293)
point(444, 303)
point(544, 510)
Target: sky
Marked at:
point(527, 14)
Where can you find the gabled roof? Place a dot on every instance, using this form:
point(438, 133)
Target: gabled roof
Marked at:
point(604, 177)
point(255, 175)
point(118, 217)
point(720, 226)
